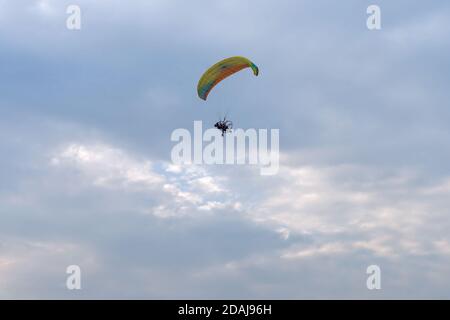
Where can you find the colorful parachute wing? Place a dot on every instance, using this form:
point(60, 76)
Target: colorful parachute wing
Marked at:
point(220, 71)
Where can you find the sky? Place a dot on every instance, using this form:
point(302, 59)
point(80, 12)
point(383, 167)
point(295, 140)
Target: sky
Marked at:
point(86, 176)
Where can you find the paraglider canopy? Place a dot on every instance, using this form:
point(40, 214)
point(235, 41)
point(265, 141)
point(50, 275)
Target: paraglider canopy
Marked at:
point(220, 71)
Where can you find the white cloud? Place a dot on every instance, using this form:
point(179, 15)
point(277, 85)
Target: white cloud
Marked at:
point(109, 167)
point(345, 208)
point(183, 189)
point(326, 249)
point(207, 184)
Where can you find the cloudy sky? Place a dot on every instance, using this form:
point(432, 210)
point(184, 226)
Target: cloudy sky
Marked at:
point(86, 176)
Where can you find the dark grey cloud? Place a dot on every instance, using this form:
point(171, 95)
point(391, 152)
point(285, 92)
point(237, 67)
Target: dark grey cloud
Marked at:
point(85, 121)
